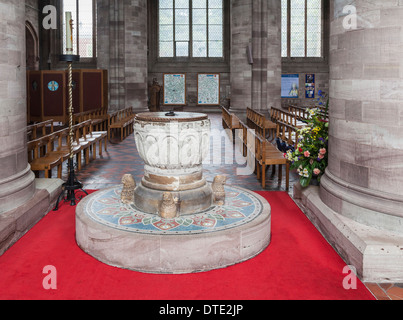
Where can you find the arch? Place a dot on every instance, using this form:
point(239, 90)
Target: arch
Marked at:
point(32, 47)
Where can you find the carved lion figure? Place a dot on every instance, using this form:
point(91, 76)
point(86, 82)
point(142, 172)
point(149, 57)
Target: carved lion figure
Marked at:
point(169, 206)
point(218, 190)
point(127, 195)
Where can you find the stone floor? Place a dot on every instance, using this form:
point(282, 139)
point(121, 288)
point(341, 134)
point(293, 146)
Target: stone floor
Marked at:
point(122, 158)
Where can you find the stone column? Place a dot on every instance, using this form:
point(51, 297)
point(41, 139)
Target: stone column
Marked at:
point(17, 181)
point(364, 180)
point(258, 85)
point(266, 69)
point(122, 50)
point(241, 70)
point(136, 48)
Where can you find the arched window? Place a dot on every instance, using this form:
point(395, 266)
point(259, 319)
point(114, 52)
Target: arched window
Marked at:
point(84, 32)
point(191, 28)
point(301, 28)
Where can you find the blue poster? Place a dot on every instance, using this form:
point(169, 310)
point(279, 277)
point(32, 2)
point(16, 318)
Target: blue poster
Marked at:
point(310, 86)
point(289, 85)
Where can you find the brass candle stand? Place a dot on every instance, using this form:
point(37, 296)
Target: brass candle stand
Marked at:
point(72, 184)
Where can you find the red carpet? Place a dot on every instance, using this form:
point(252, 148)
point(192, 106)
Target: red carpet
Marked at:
point(298, 265)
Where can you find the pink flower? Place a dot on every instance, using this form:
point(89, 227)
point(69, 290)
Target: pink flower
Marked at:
point(316, 172)
point(320, 156)
point(322, 151)
point(307, 154)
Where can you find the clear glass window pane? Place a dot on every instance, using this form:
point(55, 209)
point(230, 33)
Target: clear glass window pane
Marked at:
point(199, 49)
point(167, 4)
point(166, 32)
point(166, 16)
point(215, 33)
point(199, 33)
point(199, 4)
point(297, 28)
point(314, 28)
point(85, 28)
point(215, 49)
point(166, 49)
point(215, 16)
point(182, 49)
point(182, 33)
point(182, 16)
point(199, 16)
point(218, 4)
point(181, 4)
point(284, 28)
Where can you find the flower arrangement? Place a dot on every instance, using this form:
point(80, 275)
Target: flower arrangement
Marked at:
point(310, 156)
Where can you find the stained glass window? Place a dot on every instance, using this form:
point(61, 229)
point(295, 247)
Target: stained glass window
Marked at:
point(191, 28)
point(84, 18)
point(301, 28)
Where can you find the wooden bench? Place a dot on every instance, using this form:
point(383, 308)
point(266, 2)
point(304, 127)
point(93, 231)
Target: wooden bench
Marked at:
point(229, 120)
point(265, 153)
point(98, 116)
point(121, 121)
point(44, 162)
point(53, 149)
point(287, 134)
point(301, 113)
point(91, 138)
point(258, 121)
point(286, 117)
point(40, 129)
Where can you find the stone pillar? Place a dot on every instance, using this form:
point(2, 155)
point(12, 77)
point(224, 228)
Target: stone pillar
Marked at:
point(241, 70)
point(364, 180)
point(17, 181)
point(258, 85)
point(136, 48)
point(122, 50)
point(266, 69)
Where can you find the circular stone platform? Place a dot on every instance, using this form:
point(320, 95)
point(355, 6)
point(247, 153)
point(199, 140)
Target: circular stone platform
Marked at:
point(120, 235)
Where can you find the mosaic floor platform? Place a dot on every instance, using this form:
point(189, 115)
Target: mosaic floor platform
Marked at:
point(122, 236)
point(106, 208)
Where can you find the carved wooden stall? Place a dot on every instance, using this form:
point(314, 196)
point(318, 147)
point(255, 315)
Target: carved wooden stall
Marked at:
point(47, 93)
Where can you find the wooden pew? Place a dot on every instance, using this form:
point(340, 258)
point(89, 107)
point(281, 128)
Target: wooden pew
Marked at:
point(287, 134)
point(98, 116)
point(286, 117)
point(40, 129)
point(301, 113)
point(121, 121)
point(229, 120)
point(258, 121)
point(53, 150)
point(45, 162)
point(266, 154)
point(90, 139)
